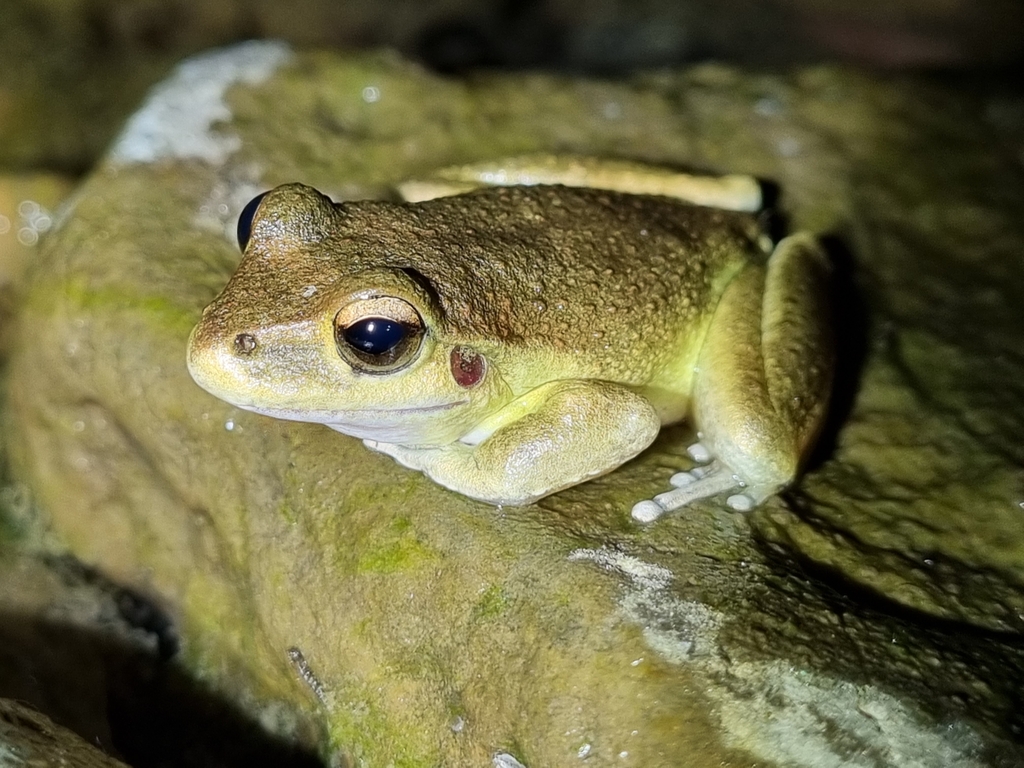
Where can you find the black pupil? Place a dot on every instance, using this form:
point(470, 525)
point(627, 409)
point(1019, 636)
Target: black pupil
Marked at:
point(375, 335)
point(245, 218)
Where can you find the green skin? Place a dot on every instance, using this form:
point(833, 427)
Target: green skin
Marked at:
point(553, 331)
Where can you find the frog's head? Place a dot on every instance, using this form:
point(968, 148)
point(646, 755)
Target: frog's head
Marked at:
point(309, 330)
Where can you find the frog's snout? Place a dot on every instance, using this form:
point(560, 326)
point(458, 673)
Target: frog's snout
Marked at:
point(219, 362)
point(254, 367)
point(245, 344)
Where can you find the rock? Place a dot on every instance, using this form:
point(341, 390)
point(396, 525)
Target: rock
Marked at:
point(28, 738)
point(27, 203)
point(97, 659)
point(73, 71)
point(422, 628)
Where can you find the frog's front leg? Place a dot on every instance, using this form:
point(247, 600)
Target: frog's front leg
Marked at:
point(763, 380)
point(557, 435)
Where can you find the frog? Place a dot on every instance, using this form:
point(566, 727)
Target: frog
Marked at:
point(514, 328)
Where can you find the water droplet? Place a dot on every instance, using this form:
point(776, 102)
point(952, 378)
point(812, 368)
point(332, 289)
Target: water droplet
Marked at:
point(371, 94)
point(768, 106)
point(28, 208)
point(229, 425)
point(789, 147)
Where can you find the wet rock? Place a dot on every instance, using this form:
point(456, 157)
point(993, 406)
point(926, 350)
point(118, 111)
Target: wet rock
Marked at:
point(854, 622)
point(27, 205)
point(96, 658)
point(28, 738)
point(73, 71)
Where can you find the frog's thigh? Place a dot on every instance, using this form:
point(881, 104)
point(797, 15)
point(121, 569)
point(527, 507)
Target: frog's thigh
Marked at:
point(766, 367)
point(571, 431)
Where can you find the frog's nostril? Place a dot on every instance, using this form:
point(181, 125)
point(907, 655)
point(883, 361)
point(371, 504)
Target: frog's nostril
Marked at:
point(245, 344)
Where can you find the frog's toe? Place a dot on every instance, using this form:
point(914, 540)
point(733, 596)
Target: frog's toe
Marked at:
point(407, 457)
point(740, 502)
point(699, 453)
point(680, 479)
point(647, 511)
point(389, 449)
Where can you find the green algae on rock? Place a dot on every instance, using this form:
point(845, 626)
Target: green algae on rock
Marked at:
point(440, 631)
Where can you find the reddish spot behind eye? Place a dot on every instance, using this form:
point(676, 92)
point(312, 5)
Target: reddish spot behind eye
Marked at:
point(468, 366)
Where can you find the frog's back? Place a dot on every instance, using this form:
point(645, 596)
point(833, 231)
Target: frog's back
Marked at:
point(580, 271)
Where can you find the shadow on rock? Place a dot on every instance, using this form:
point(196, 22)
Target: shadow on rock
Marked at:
point(851, 322)
point(956, 670)
point(130, 701)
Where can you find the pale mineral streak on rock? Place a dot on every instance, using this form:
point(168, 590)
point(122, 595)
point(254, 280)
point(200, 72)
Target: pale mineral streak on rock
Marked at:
point(674, 628)
point(802, 719)
point(178, 117)
point(505, 760)
point(777, 710)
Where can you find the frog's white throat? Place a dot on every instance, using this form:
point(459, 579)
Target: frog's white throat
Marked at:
point(407, 425)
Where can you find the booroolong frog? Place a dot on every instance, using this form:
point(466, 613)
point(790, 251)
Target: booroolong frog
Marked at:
point(526, 335)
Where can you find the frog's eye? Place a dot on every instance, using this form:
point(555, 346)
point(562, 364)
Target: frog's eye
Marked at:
point(378, 335)
point(245, 220)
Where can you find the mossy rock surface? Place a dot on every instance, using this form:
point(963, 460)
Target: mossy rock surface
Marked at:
point(442, 631)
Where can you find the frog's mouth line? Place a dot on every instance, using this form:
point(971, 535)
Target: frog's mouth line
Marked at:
point(353, 416)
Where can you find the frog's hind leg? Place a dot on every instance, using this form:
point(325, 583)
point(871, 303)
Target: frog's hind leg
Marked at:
point(762, 383)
